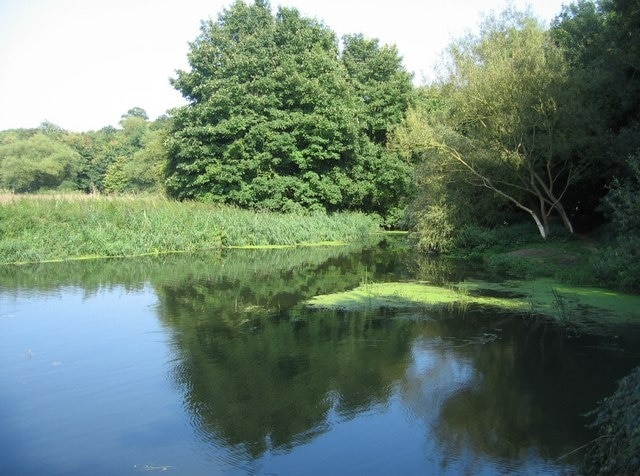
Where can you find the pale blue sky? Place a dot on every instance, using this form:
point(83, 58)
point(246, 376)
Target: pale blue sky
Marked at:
point(81, 64)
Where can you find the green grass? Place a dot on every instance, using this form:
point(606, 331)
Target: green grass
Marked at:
point(62, 227)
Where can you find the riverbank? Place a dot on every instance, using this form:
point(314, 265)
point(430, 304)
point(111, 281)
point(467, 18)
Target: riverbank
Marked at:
point(505, 271)
point(518, 252)
point(43, 228)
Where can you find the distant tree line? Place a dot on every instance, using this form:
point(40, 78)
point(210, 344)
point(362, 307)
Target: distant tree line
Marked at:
point(131, 158)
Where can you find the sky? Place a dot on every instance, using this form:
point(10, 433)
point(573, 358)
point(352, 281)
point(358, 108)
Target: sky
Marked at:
point(82, 64)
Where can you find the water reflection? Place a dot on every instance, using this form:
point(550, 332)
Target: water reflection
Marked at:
point(268, 386)
point(263, 375)
point(257, 371)
point(271, 388)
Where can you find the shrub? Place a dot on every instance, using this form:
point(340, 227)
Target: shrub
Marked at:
point(616, 450)
point(434, 229)
point(618, 266)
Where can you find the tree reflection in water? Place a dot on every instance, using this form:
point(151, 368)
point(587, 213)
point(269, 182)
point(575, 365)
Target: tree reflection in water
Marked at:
point(270, 386)
point(260, 374)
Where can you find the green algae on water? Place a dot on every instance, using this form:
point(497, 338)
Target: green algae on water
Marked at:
point(408, 295)
point(566, 302)
point(579, 306)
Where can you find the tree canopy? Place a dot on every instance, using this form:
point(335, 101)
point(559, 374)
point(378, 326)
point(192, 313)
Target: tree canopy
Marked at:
point(37, 162)
point(277, 120)
point(501, 124)
point(280, 116)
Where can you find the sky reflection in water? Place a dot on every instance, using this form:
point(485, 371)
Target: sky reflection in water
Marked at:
point(208, 365)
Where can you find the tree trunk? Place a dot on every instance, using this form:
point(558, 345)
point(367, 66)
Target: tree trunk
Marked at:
point(544, 217)
point(565, 218)
point(543, 225)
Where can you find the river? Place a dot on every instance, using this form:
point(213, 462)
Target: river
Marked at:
point(201, 365)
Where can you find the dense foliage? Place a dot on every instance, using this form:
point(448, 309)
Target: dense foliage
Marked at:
point(128, 159)
point(618, 263)
point(36, 162)
point(530, 119)
point(277, 119)
point(525, 118)
point(495, 121)
point(617, 448)
point(601, 41)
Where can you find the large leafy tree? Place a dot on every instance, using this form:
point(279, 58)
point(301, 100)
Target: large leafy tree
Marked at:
point(501, 126)
point(381, 84)
point(273, 120)
point(601, 41)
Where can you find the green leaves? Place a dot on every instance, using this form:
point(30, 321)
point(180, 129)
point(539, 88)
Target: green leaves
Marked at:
point(37, 162)
point(276, 118)
point(383, 87)
point(494, 123)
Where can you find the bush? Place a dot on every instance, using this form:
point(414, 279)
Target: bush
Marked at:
point(617, 448)
point(37, 163)
point(478, 239)
point(515, 266)
point(435, 230)
point(618, 266)
point(622, 203)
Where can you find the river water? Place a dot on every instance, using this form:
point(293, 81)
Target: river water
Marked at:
point(201, 365)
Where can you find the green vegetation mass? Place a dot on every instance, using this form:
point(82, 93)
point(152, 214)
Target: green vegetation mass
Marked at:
point(59, 227)
point(576, 306)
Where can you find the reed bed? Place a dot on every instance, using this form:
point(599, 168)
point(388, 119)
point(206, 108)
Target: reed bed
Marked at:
point(38, 228)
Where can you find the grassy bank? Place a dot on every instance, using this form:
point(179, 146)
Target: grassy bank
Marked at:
point(37, 228)
point(518, 252)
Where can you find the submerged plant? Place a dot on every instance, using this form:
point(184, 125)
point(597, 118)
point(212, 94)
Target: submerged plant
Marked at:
point(560, 304)
point(463, 298)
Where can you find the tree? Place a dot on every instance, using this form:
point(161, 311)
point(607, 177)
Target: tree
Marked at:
point(136, 112)
point(126, 159)
point(446, 201)
point(383, 91)
point(143, 170)
point(502, 124)
point(273, 119)
point(380, 81)
point(37, 162)
point(601, 41)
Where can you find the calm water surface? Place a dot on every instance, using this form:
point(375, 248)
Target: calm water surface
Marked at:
point(200, 365)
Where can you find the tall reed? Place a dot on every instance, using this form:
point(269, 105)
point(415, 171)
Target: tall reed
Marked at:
point(59, 227)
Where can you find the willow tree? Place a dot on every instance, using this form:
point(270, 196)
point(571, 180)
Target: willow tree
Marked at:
point(502, 124)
